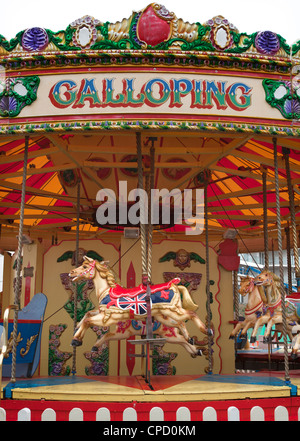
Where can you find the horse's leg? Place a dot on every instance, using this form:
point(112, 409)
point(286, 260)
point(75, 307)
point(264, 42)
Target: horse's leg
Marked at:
point(276, 319)
point(183, 315)
point(260, 322)
point(88, 321)
point(179, 339)
point(295, 348)
point(167, 321)
point(237, 328)
point(113, 336)
point(249, 324)
point(82, 328)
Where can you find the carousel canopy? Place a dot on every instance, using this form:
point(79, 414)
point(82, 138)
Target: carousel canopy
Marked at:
point(234, 169)
point(211, 100)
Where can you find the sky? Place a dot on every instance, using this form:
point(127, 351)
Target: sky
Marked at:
point(279, 16)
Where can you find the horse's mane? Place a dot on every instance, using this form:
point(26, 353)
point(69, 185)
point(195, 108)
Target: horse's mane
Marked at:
point(107, 273)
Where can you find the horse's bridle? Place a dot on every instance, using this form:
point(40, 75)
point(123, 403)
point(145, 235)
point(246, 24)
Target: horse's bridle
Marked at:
point(90, 271)
point(249, 287)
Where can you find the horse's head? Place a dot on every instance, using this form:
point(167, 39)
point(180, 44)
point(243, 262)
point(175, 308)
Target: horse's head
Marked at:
point(85, 271)
point(247, 285)
point(266, 278)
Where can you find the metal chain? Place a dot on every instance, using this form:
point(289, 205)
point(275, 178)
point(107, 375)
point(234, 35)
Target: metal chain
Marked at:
point(17, 288)
point(208, 310)
point(282, 291)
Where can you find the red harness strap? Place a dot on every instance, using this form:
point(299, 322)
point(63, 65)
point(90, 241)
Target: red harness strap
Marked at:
point(253, 310)
point(273, 307)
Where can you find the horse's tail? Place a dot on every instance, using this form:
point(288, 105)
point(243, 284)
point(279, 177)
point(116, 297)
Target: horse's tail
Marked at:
point(187, 301)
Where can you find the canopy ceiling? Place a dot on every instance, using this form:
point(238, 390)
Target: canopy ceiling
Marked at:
point(55, 162)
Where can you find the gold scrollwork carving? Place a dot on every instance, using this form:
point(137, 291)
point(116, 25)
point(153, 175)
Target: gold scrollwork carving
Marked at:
point(23, 351)
point(30, 340)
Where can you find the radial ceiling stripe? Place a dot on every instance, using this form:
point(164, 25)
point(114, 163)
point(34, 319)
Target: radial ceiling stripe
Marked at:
point(8, 146)
point(246, 183)
point(235, 163)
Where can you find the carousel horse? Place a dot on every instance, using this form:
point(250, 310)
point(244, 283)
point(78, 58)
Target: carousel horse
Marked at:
point(129, 328)
point(253, 310)
point(117, 303)
point(272, 298)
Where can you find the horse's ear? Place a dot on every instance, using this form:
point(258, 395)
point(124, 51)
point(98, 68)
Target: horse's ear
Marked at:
point(88, 258)
point(105, 263)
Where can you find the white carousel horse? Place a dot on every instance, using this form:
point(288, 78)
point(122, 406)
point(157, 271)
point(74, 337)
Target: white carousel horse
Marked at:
point(118, 304)
point(253, 310)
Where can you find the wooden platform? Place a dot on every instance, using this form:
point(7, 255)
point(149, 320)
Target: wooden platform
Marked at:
point(173, 388)
point(240, 397)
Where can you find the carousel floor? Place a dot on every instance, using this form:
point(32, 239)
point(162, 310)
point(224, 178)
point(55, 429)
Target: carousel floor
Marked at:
point(175, 388)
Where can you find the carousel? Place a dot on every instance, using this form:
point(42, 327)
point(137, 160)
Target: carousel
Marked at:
point(139, 160)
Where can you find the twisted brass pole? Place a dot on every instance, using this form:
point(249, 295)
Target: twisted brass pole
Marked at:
point(18, 282)
point(282, 291)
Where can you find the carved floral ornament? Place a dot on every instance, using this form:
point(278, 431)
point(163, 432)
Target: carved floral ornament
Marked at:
point(152, 27)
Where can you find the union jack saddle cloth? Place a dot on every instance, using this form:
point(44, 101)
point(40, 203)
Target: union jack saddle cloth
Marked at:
point(134, 299)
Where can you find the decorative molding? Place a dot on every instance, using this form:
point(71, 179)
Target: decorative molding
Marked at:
point(284, 96)
point(160, 125)
point(17, 93)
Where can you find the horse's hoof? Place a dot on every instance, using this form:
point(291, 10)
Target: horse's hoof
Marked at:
point(199, 352)
point(210, 333)
point(231, 337)
point(76, 342)
point(94, 349)
point(267, 339)
point(252, 339)
point(191, 341)
point(294, 356)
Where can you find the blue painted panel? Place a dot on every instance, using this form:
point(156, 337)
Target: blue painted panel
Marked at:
point(33, 314)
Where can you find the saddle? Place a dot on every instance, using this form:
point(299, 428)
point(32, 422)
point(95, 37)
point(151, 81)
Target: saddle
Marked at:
point(294, 296)
point(119, 291)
